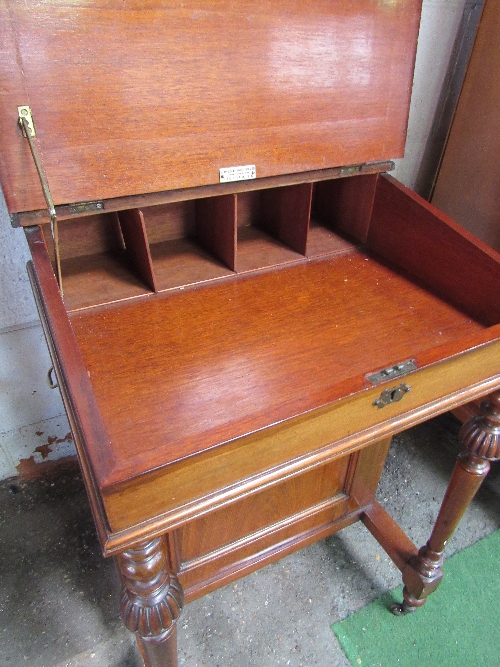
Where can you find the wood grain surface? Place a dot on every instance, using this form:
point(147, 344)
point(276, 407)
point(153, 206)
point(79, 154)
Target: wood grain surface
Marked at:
point(140, 97)
point(239, 354)
point(256, 512)
point(433, 248)
point(229, 419)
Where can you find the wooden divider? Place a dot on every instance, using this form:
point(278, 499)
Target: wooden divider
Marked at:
point(191, 241)
point(114, 256)
point(285, 214)
point(136, 243)
point(345, 204)
point(102, 262)
point(216, 227)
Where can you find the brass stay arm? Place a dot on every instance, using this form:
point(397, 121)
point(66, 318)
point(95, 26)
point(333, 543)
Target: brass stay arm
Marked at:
point(26, 122)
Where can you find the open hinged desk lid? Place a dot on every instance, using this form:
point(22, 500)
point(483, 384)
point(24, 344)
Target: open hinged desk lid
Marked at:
point(130, 98)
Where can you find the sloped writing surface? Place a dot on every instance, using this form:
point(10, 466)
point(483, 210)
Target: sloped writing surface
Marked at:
point(131, 98)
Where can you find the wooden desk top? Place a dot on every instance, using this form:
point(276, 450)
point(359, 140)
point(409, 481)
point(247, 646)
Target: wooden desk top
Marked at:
point(183, 371)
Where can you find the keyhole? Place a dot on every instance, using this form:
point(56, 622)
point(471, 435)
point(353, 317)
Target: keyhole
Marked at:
point(397, 394)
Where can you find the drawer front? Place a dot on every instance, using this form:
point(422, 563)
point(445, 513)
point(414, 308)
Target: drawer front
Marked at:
point(192, 487)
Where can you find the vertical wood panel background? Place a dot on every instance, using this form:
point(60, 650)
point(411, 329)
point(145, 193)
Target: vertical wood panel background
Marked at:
point(468, 185)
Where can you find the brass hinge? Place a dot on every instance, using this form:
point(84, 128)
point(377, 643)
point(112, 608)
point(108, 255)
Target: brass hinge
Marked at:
point(353, 169)
point(86, 207)
point(25, 119)
point(350, 170)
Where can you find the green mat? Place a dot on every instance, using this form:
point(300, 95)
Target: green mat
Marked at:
point(459, 625)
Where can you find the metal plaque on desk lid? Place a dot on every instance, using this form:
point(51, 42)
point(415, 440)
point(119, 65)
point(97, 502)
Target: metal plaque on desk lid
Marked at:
point(243, 173)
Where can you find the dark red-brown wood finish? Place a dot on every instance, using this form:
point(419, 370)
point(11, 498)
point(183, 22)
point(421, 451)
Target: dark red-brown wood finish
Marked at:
point(234, 357)
point(134, 97)
point(237, 352)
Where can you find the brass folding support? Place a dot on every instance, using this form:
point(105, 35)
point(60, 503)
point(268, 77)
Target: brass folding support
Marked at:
point(28, 127)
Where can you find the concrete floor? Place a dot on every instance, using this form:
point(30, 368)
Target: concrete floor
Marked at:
point(59, 598)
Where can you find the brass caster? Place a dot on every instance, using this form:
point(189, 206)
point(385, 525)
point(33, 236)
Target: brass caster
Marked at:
point(401, 609)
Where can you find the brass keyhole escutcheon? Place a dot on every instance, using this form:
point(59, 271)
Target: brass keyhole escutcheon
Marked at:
point(391, 395)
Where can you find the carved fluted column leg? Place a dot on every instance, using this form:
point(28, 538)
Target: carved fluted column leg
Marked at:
point(151, 601)
point(480, 443)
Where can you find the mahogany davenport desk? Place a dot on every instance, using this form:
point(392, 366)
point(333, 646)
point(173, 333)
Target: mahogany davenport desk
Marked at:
point(238, 321)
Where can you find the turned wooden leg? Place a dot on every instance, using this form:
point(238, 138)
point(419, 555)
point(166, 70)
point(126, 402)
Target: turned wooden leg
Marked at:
point(151, 601)
point(480, 443)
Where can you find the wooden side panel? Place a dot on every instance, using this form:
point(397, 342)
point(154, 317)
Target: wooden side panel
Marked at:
point(257, 511)
point(91, 439)
point(465, 412)
point(137, 97)
point(415, 236)
point(468, 184)
point(369, 466)
point(201, 576)
point(255, 530)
